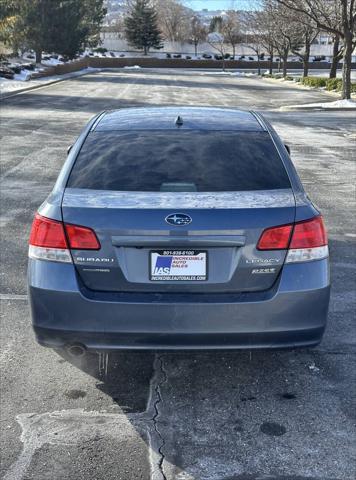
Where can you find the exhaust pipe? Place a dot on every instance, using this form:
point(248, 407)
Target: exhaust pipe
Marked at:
point(76, 350)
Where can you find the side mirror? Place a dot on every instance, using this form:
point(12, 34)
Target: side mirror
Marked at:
point(287, 148)
point(69, 149)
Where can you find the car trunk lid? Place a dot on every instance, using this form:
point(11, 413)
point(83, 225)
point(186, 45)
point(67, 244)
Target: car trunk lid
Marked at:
point(226, 226)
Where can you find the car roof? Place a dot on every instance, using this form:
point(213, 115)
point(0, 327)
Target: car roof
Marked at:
point(165, 118)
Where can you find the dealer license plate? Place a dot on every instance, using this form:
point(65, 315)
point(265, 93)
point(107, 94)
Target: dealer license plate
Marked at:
point(178, 265)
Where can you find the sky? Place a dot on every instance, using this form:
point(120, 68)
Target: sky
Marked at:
point(216, 4)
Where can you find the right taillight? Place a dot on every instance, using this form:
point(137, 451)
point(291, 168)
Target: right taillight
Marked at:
point(305, 241)
point(309, 241)
point(309, 234)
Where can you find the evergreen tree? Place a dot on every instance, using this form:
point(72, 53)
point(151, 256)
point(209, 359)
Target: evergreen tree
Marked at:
point(216, 24)
point(34, 24)
point(141, 26)
point(62, 26)
point(93, 15)
point(67, 31)
point(7, 21)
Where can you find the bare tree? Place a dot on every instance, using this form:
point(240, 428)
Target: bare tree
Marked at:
point(286, 35)
point(217, 41)
point(253, 23)
point(307, 31)
point(337, 17)
point(337, 56)
point(259, 27)
point(173, 19)
point(230, 29)
point(198, 32)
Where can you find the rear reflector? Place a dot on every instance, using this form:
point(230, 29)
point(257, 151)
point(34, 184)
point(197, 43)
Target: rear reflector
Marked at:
point(48, 239)
point(81, 238)
point(306, 240)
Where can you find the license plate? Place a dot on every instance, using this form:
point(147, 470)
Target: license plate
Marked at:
point(178, 265)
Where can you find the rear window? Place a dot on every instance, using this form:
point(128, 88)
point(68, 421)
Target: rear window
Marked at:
point(179, 160)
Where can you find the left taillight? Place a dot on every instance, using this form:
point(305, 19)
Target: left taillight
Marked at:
point(52, 239)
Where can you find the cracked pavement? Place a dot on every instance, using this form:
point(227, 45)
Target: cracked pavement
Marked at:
point(209, 415)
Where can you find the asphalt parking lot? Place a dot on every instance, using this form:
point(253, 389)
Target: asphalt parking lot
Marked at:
point(213, 416)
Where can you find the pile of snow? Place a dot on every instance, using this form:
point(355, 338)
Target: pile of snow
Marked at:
point(336, 104)
point(231, 73)
point(245, 74)
point(51, 62)
point(133, 67)
point(9, 86)
point(343, 104)
point(24, 76)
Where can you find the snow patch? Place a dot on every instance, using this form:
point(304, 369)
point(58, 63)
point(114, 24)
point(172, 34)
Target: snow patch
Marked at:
point(344, 104)
point(24, 76)
point(51, 62)
point(9, 86)
point(133, 67)
point(229, 73)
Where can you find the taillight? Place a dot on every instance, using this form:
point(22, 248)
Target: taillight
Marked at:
point(81, 238)
point(305, 241)
point(275, 238)
point(51, 239)
point(47, 233)
point(309, 234)
point(309, 241)
point(48, 240)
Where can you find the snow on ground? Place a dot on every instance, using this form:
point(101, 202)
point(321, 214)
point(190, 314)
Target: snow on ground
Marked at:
point(12, 85)
point(24, 76)
point(133, 67)
point(344, 104)
point(233, 73)
point(51, 62)
point(8, 86)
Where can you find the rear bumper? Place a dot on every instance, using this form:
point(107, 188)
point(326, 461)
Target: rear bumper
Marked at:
point(292, 314)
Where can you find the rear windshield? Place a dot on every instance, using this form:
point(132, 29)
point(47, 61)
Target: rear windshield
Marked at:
point(179, 160)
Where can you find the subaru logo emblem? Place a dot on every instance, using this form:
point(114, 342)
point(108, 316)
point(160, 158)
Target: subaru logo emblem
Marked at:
point(178, 219)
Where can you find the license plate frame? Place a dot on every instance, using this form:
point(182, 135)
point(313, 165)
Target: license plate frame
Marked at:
point(174, 254)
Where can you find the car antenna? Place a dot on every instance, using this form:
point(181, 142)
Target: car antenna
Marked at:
point(179, 121)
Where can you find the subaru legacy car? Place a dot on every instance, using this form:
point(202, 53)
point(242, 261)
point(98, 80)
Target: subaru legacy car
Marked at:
point(178, 228)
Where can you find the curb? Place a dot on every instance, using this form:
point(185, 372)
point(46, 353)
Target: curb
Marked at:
point(44, 84)
point(27, 89)
point(333, 93)
point(316, 109)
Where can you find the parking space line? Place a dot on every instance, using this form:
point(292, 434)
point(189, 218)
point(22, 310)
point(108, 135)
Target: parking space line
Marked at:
point(9, 296)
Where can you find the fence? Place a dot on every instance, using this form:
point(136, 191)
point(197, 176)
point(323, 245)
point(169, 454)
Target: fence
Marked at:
point(62, 69)
point(150, 62)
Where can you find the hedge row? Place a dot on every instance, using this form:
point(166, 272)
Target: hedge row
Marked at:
point(331, 84)
point(278, 76)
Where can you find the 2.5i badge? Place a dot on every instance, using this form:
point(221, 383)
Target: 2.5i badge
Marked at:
point(263, 270)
